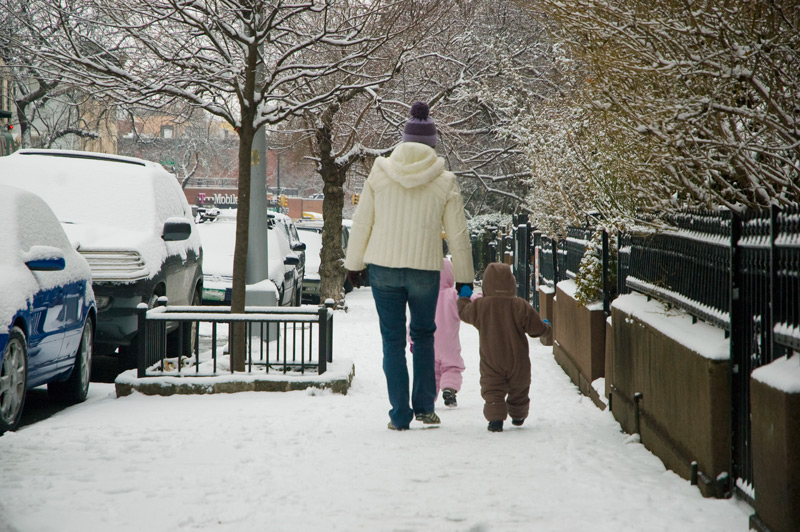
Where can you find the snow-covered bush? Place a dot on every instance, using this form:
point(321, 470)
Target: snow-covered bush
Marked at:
point(589, 279)
point(483, 222)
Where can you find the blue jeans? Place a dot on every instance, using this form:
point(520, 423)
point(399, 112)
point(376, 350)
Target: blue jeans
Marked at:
point(393, 289)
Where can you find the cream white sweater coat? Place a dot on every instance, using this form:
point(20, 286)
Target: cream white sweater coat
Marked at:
point(407, 200)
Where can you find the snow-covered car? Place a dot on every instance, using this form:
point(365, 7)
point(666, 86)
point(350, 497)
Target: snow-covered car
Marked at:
point(219, 238)
point(47, 307)
point(286, 225)
point(310, 233)
point(130, 219)
point(313, 240)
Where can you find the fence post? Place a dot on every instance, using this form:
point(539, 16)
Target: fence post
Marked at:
point(737, 353)
point(556, 272)
point(620, 276)
point(141, 317)
point(606, 298)
point(521, 257)
point(537, 244)
point(325, 345)
point(527, 262)
point(473, 240)
point(329, 354)
point(774, 296)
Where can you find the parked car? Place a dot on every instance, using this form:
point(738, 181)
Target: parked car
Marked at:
point(129, 218)
point(219, 238)
point(310, 232)
point(312, 237)
point(286, 225)
point(47, 307)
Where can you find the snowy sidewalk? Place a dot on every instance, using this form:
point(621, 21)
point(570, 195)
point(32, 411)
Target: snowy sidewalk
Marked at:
point(318, 461)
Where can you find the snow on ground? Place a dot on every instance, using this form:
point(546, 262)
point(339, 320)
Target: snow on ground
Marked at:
point(307, 461)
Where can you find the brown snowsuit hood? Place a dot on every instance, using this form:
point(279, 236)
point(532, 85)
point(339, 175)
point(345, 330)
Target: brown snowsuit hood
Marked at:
point(499, 281)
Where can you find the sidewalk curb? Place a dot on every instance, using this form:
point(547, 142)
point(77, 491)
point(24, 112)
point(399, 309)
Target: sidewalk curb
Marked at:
point(338, 381)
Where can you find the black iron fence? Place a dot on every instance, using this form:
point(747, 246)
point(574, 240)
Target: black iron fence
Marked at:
point(739, 272)
point(687, 265)
point(292, 340)
point(786, 265)
point(764, 309)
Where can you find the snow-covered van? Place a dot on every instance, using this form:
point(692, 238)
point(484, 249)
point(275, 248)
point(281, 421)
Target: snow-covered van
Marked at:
point(130, 219)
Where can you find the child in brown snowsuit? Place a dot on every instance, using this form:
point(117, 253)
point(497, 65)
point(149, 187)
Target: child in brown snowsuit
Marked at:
point(503, 320)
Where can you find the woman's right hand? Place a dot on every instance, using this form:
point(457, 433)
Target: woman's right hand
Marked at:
point(356, 277)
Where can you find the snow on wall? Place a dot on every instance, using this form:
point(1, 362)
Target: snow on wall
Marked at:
point(782, 374)
point(702, 338)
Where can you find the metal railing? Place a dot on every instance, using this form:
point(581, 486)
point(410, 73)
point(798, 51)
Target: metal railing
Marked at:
point(278, 339)
point(578, 241)
point(786, 291)
point(686, 265)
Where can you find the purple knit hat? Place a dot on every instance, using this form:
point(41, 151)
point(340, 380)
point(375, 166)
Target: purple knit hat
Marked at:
point(420, 128)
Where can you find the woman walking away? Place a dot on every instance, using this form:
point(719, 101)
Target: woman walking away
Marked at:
point(397, 232)
point(503, 319)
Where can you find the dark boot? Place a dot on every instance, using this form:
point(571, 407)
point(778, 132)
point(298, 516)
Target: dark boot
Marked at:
point(496, 425)
point(449, 396)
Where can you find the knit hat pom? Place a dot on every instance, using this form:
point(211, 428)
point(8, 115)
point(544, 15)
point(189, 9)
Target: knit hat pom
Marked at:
point(420, 110)
point(419, 127)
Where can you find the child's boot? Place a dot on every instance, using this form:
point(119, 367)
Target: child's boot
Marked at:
point(496, 425)
point(449, 396)
point(518, 422)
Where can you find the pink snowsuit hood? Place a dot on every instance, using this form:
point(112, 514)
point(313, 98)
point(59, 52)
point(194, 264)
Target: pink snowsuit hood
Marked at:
point(447, 278)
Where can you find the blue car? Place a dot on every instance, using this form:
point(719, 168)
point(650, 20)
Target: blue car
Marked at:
point(47, 307)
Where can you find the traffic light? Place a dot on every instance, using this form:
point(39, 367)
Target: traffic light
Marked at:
point(356, 197)
point(283, 201)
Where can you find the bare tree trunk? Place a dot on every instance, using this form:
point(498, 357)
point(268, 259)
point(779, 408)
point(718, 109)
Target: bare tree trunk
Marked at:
point(24, 125)
point(331, 269)
point(237, 334)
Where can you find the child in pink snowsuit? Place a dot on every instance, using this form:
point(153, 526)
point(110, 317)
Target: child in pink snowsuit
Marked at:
point(446, 344)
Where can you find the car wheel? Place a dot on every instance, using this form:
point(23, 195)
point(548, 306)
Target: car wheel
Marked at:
point(13, 380)
point(185, 332)
point(76, 387)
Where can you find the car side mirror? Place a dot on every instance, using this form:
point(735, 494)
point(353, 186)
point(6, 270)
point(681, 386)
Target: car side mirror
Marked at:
point(299, 246)
point(45, 259)
point(176, 229)
point(291, 260)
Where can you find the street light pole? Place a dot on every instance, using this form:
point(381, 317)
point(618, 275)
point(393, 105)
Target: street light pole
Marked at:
point(257, 262)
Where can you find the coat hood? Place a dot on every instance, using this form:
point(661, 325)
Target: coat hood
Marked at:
point(412, 164)
point(499, 281)
point(447, 278)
